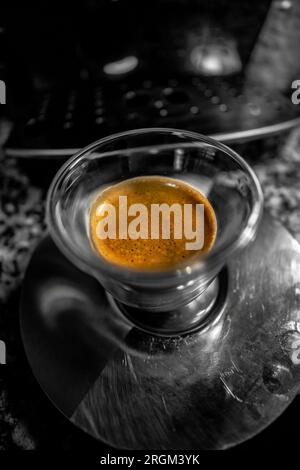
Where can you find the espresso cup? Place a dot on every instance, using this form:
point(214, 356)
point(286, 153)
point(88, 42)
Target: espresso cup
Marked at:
point(209, 166)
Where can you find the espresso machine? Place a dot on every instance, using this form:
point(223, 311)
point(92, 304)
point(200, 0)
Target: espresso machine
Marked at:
point(110, 66)
point(222, 69)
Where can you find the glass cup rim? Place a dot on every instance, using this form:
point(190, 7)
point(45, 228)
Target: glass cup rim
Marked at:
point(137, 276)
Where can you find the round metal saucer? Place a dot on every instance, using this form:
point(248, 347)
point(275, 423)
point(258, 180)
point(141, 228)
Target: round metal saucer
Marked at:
point(212, 388)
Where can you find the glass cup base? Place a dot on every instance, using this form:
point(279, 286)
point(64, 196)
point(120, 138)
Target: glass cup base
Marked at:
point(183, 320)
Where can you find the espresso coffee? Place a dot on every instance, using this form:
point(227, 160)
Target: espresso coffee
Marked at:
point(151, 223)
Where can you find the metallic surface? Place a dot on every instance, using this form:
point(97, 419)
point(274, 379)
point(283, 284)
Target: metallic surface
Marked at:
point(213, 388)
point(226, 138)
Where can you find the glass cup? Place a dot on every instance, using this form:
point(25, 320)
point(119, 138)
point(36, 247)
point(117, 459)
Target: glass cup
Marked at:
point(182, 297)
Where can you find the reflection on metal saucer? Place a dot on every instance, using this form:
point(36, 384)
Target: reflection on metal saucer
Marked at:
point(210, 389)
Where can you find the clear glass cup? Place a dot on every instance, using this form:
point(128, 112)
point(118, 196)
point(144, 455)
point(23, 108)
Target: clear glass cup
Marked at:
point(217, 171)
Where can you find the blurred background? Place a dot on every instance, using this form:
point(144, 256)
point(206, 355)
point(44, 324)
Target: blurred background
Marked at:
point(77, 73)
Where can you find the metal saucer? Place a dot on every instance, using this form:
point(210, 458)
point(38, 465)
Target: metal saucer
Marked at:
point(211, 389)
